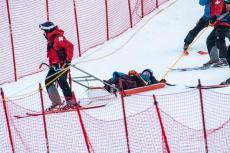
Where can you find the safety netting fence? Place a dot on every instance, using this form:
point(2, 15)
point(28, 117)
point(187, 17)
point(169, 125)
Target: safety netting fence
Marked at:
point(197, 120)
point(86, 23)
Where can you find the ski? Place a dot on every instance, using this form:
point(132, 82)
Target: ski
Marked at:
point(56, 111)
point(211, 86)
point(197, 68)
point(201, 52)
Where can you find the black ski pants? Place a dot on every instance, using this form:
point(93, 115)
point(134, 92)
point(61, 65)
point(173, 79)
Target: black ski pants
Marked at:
point(217, 38)
point(62, 81)
point(201, 24)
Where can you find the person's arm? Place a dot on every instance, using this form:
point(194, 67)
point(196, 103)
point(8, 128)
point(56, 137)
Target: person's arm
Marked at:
point(204, 2)
point(154, 80)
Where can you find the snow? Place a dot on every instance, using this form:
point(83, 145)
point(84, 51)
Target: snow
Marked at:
point(156, 43)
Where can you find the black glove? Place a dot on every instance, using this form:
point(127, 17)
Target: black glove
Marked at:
point(67, 63)
point(61, 54)
point(162, 81)
point(55, 67)
point(212, 19)
point(49, 46)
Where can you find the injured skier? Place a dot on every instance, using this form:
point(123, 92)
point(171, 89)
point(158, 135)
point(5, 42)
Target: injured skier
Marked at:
point(131, 80)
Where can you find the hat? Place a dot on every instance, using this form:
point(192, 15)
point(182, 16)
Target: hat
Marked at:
point(148, 70)
point(47, 26)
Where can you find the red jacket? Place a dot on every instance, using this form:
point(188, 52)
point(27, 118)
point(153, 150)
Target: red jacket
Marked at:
point(217, 7)
point(219, 10)
point(56, 41)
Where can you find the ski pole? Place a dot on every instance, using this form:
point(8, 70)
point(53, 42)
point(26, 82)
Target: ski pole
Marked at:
point(183, 54)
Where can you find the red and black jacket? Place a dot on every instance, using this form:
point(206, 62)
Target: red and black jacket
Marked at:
point(56, 42)
point(218, 10)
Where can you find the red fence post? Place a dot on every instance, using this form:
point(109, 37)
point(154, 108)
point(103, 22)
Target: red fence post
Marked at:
point(130, 14)
point(202, 113)
point(12, 41)
point(124, 115)
point(157, 4)
point(44, 118)
point(77, 28)
point(161, 124)
point(87, 142)
point(107, 19)
point(142, 9)
point(7, 121)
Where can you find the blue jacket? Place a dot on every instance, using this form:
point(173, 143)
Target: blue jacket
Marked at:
point(117, 74)
point(206, 4)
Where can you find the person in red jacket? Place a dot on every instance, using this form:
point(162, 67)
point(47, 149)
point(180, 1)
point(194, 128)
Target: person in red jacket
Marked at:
point(60, 54)
point(220, 20)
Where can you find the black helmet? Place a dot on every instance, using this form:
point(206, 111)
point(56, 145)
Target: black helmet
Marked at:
point(227, 1)
point(47, 26)
point(148, 72)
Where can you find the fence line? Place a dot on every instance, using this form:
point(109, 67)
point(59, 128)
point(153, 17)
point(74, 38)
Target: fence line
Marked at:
point(23, 42)
point(175, 125)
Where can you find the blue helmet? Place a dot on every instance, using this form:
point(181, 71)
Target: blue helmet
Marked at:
point(147, 73)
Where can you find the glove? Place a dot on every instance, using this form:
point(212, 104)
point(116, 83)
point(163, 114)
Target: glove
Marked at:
point(212, 19)
point(162, 81)
point(61, 54)
point(56, 67)
point(67, 63)
point(49, 46)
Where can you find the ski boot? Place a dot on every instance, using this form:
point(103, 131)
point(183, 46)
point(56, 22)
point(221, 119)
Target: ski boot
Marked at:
point(210, 63)
point(55, 106)
point(71, 104)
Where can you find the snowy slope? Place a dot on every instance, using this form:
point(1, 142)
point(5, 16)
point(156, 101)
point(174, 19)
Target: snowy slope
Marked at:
point(156, 43)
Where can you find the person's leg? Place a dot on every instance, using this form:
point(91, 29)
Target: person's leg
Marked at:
point(66, 89)
point(52, 90)
point(214, 54)
point(201, 24)
point(221, 32)
point(211, 40)
point(228, 56)
point(212, 49)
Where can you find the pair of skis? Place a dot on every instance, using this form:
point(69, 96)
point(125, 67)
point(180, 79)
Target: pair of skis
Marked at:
point(204, 67)
point(56, 111)
point(210, 86)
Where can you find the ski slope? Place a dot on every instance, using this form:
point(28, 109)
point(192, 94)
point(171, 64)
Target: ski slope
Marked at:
point(156, 43)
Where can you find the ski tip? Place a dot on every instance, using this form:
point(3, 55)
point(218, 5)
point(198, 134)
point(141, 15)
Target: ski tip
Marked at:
point(17, 117)
point(201, 52)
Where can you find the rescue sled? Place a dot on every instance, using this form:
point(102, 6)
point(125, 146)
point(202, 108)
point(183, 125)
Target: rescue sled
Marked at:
point(143, 89)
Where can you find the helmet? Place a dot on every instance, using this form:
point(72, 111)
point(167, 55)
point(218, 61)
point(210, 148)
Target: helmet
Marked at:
point(147, 73)
point(133, 73)
point(227, 1)
point(47, 26)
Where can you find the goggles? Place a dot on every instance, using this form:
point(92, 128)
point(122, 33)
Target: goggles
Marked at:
point(227, 1)
point(146, 74)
